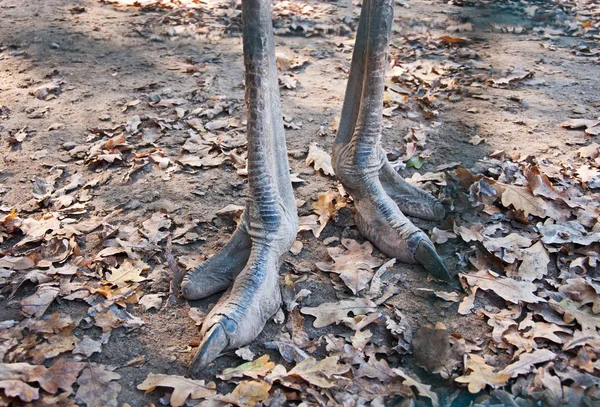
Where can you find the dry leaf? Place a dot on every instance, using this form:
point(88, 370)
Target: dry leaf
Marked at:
point(97, 387)
point(156, 228)
point(510, 290)
point(182, 387)
point(584, 291)
point(335, 312)
point(423, 389)
point(481, 375)
point(248, 393)
point(87, 346)
point(526, 362)
point(535, 263)
point(37, 304)
point(319, 373)
point(127, 272)
point(320, 159)
point(254, 369)
point(572, 310)
point(150, 301)
point(353, 264)
point(327, 205)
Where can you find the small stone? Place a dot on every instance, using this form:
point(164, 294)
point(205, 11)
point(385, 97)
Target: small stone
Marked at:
point(69, 145)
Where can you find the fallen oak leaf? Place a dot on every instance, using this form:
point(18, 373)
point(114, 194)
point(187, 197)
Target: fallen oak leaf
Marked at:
point(150, 301)
point(334, 312)
point(572, 310)
point(248, 393)
point(36, 305)
point(423, 390)
point(127, 272)
point(319, 373)
point(481, 375)
point(182, 387)
point(327, 205)
point(254, 369)
point(97, 387)
point(17, 388)
point(353, 264)
point(510, 290)
point(320, 159)
point(535, 263)
point(526, 362)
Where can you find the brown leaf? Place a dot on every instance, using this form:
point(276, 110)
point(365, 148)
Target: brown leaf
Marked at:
point(327, 205)
point(510, 290)
point(507, 248)
point(248, 393)
point(526, 362)
point(567, 232)
point(584, 291)
point(97, 387)
point(254, 369)
point(61, 375)
point(319, 373)
point(17, 388)
point(182, 387)
point(87, 346)
point(334, 312)
point(540, 185)
point(481, 375)
point(353, 264)
point(320, 159)
point(55, 345)
point(535, 263)
point(36, 305)
point(423, 389)
point(156, 228)
point(572, 310)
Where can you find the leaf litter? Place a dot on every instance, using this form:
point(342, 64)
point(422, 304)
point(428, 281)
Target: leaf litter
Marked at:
point(525, 231)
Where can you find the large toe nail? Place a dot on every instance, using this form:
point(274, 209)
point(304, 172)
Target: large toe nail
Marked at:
point(428, 257)
point(212, 344)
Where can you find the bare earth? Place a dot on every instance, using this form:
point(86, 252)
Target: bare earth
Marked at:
point(122, 126)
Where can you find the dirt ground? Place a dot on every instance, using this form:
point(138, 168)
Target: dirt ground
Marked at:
point(475, 85)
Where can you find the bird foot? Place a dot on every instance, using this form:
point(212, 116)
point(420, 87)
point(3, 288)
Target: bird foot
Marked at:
point(242, 312)
point(379, 217)
point(248, 268)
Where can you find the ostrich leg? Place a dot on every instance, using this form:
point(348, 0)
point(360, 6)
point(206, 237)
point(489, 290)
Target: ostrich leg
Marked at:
point(380, 194)
point(250, 261)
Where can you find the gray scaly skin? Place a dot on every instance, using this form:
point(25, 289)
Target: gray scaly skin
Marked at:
point(250, 261)
point(361, 165)
point(247, 267)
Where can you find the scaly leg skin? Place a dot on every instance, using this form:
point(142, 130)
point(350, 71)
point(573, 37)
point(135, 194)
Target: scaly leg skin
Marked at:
point(360, 163)
point(251, 260)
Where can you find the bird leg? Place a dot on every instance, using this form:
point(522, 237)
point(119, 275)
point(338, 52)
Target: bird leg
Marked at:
point(380, 194)
point(248, 266)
